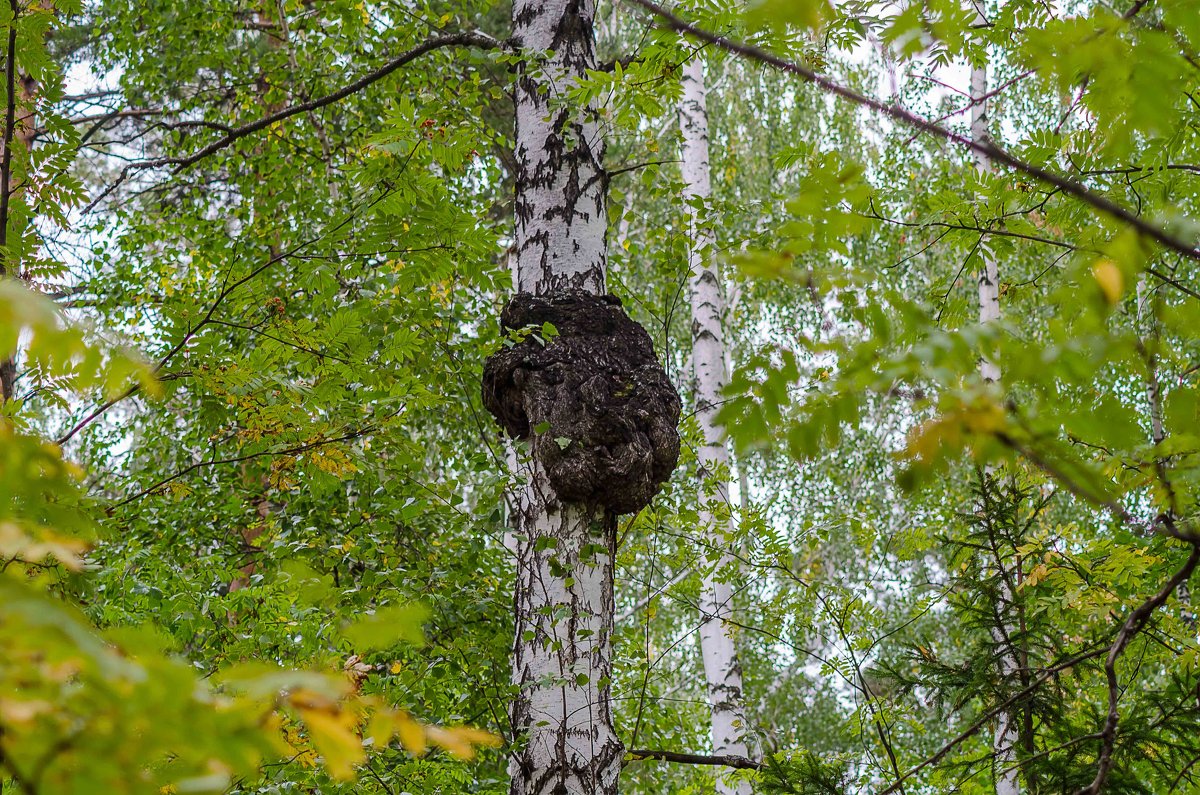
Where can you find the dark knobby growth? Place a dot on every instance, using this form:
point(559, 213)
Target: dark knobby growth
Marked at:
point(593, 399)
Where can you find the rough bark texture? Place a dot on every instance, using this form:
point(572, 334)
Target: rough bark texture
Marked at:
point(561, 218)
point(562, 653)
point(1004, 742)
point(722, 671)
point(592, 399)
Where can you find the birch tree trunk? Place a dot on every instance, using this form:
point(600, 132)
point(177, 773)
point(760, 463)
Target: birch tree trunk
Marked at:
point(1004, 742)
point(562, 660)
point(722, 673)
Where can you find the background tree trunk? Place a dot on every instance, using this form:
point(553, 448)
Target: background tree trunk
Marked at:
point(20, 95)
point(1004, 742)
point(562, 654)
point(722, 672)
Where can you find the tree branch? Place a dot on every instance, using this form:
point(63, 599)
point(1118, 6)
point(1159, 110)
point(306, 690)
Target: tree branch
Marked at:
point(1132, 626)
point(8, 365)
point(226, 290)
point(475, 39)
point(900, 114)
point(987, 717)
point(239, 459)
point(737, 762)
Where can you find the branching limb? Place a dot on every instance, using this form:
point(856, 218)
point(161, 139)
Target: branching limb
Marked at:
point(209, 316)
point(987, 717)
point(295, 450)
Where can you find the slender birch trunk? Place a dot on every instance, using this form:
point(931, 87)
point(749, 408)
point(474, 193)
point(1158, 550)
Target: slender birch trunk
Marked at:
point(562, 653)
point(1004, 742)
point(722, 672)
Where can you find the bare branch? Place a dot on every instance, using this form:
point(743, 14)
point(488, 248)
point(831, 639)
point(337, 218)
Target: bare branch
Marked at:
point(737, 762)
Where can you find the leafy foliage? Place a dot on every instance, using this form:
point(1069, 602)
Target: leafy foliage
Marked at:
point(214, 548)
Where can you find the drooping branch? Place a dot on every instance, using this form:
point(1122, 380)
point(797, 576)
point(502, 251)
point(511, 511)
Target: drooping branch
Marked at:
point(907, 117)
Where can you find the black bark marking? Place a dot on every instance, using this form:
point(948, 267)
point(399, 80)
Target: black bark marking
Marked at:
point(594, 401)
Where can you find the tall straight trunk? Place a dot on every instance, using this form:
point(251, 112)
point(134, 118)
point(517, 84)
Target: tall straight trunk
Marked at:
point(562, 653)
point(20, 92)
point(722, 673)
point(1004, 742)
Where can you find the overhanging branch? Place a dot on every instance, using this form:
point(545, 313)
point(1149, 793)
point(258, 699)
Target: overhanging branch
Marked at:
point(896, 112)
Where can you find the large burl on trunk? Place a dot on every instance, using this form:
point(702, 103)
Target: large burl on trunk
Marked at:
point(594, 401)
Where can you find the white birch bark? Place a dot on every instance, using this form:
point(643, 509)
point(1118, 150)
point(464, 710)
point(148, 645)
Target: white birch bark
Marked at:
point(561, 183)
point(562, 660)
point(1004, 741)
point(722, 672)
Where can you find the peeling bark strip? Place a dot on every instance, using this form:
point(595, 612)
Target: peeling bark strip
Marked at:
point(562, 653)
point(722, 670)
point(560, 211)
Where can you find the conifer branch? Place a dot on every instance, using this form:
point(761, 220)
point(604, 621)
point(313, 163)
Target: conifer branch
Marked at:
point(1134, 624)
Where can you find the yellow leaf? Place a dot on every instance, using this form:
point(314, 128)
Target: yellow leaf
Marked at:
point(396, 667)
point(332, 732)
point(15, 544)
point(23, 711)
point(411, 734)
point(1109, 277)
point(381, 727)
point(1036, 575)
point(460, 740)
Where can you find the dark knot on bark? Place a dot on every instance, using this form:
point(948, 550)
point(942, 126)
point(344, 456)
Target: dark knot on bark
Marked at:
point(579, 379)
